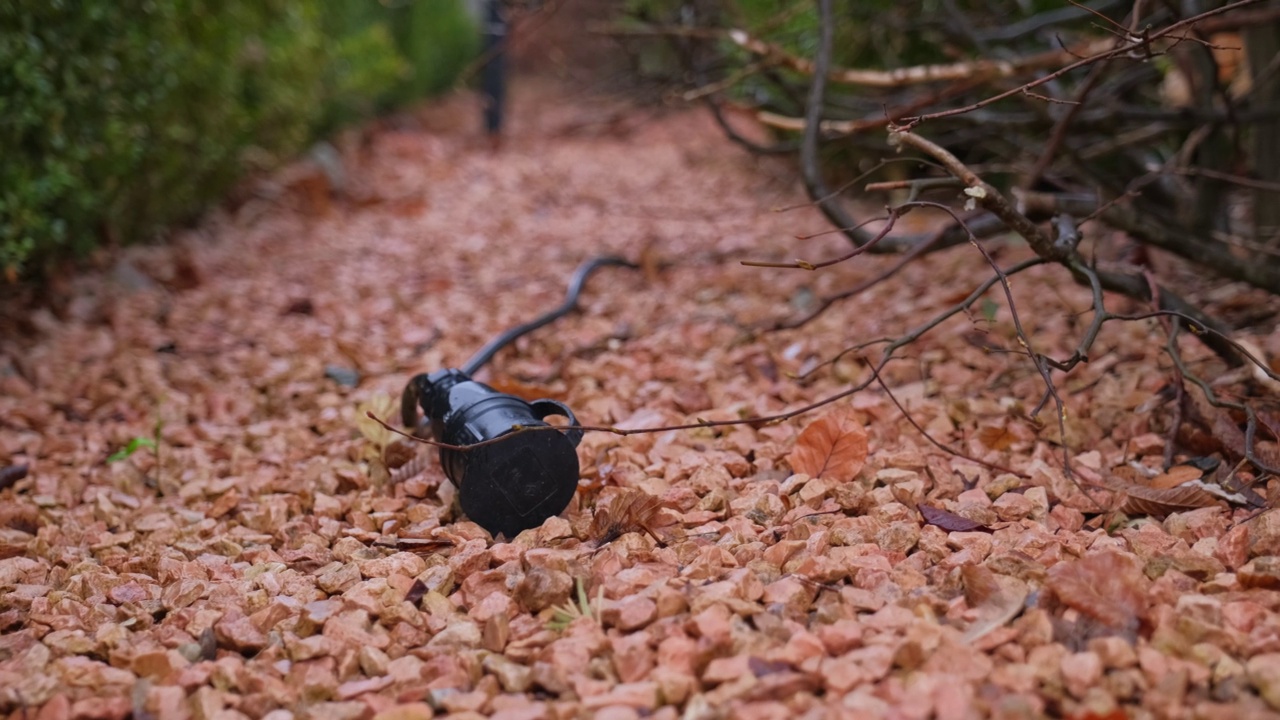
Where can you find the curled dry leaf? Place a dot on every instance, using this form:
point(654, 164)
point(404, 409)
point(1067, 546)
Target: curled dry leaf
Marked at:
point(397, 453)
point(1109, 588)
point(631, 511)
point(834, 446)
point(383, 406)
point(415, 592)
point(1226, 433)
point(19, 516)
point(980, 585)
point(997, 599)
point(426, 546)
point(761, 667)
point(1176, 476)
point(1158, 503)
point(996, 438)
point(414, 467)
point(949, 521)
point(1140, 499)
point(1257, 370)
point(513, 386)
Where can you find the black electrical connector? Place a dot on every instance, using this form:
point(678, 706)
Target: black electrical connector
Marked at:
point(520, 481)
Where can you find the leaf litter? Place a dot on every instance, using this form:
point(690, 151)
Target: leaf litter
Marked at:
point(277, 554)
point(833, 446)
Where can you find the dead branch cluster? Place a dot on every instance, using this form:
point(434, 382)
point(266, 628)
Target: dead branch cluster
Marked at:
point(1139, 121)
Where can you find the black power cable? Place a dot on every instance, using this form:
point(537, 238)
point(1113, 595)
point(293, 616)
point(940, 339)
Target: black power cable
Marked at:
point(576, 283)
point(518, 483)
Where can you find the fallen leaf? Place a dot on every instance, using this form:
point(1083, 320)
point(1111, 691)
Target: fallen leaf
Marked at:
point(949, 521)
point(208, 644)
point(1258, 370)
point(1163, 396)
point(1225, 432)
point(421, 545)
point(523, 390)
point(398, 453)
point(411, 469)
point(19, 516)
point(996, 438)
point(1109, 588)
point(1177, 475)
point(300, 306)
point(415, 592)
point(833, 446)
point(1116, 714)
point(630, 511)
point(382, 406)
point(981, 340)
point(1139, 499)
point(980, 584)
point(997, 599)
point(1158, 503)
point(761, 667)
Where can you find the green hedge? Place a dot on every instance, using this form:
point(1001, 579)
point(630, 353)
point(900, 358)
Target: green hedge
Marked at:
point(121, 117)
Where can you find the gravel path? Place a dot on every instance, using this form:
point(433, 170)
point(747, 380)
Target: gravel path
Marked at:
point(209, 527)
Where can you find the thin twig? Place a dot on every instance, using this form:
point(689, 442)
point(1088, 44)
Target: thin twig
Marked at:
point(919, 250)
point(805, 265)
point(934, 441)
point(982, 69)
point(897, 343)
point(1143, 43)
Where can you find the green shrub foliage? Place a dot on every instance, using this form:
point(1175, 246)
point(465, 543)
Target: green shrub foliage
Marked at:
point(121, 117)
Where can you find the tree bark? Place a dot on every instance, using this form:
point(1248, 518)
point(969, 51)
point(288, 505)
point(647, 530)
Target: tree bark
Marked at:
point(1262, 45)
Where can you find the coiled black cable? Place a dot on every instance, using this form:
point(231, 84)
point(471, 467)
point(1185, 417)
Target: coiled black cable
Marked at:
point(576, 283)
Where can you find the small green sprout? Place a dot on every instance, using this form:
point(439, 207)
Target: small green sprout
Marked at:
point(564, 615)
point(131, 448)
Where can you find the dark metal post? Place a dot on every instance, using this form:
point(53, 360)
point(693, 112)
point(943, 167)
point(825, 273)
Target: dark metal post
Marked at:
point(493, 75)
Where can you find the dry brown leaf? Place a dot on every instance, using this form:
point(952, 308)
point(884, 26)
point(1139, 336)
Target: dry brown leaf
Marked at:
point(1259, 375)
point(1109, 588)
point(1176, 476)
point(398, 453)
point(997, 599)
point(19, 516)
point(1158, 503)
point(996, 438)
point(1270, 420)
point(1224, 433)
point(1143, 500)
point(981, 340)
point(523, 390)
point(383, 406)
point(631, 511)
point(833, 446)
point(949, 521)
point(411, 469)
point(980, 585)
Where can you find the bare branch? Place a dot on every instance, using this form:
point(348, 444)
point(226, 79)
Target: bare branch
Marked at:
point(983, 69)
point(985, 194)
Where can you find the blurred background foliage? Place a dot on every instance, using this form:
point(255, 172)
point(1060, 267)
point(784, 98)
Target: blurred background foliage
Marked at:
point(1187, 122)
point(870, 34)
point(119, 118)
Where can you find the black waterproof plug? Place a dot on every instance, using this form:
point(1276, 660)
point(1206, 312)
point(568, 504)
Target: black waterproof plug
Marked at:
point(523, 477)
point(506, 486)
